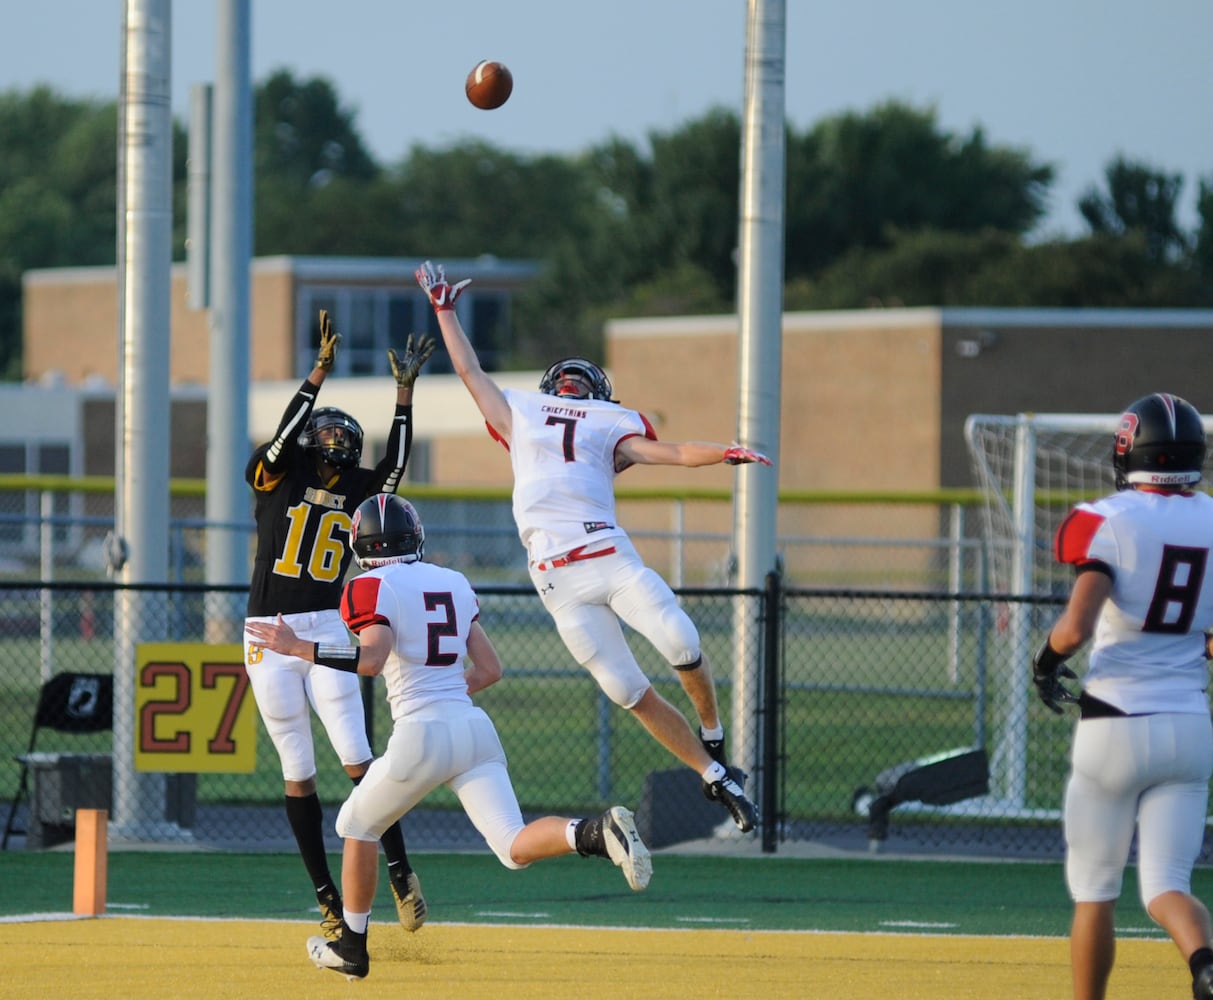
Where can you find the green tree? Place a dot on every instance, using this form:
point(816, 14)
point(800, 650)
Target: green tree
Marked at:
point(304, 143)
point(1138, 199)
point(857, 180)
point(1202, 245)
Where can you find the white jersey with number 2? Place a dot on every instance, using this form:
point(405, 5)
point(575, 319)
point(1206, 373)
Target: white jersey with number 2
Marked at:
point(1149, 650)
point(563, 454)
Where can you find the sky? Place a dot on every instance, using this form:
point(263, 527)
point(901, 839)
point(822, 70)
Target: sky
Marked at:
point(1073, 83)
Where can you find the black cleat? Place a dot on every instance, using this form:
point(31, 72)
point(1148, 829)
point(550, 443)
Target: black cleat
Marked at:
point(1202, 984)
point(743, 811)
point(351, 962)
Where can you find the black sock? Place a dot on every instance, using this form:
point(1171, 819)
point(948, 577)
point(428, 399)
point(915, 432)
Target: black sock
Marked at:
point(306, 819)
point(393, 849)
point(1200, 958)
point(351, 943)
point(588, 837)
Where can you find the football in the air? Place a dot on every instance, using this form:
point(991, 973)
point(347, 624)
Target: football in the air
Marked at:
point(489, 85)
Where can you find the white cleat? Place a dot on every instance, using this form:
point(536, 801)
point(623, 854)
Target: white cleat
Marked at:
point(625, 847)
point(326, 954)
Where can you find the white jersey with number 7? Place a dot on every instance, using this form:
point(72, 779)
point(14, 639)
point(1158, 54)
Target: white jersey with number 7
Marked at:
point(563, 454)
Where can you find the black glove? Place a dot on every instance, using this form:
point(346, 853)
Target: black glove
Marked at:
point(406, 369)
point(1048, 671)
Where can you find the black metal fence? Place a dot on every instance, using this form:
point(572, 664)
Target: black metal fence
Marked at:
point(889, 720)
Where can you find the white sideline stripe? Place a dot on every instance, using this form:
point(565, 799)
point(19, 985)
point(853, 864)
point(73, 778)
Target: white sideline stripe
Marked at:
point(29, 918)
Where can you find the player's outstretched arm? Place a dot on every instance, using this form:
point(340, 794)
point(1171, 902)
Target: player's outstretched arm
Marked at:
point(486, 393)
point(646, 451)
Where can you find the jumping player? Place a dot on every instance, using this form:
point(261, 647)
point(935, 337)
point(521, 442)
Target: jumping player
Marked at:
point(307, 483)
point(567, 442)
point(1143, 747)
point(418, 625)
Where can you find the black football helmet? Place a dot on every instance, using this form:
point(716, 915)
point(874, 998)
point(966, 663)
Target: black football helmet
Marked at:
point(336, 435)
point(578, 378)
point(386, 529)
point(1160, 442)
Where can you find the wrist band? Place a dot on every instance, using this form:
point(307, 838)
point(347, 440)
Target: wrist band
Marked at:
point(338, 657)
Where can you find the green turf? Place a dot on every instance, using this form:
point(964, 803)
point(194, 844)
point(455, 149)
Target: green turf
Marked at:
point(765, 893)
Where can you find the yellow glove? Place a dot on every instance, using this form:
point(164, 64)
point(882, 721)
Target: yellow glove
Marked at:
point(405, 370)
point(328, 342)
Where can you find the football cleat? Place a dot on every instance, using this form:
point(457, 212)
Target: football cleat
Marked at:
point(625, 848)
point(1202, 984)
point(743, 811)
point(715, 749)
point(331, 912)
point(410, 904)
point(326, 954)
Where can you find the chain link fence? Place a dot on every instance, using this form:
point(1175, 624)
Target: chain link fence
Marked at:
point(875, 691)
point(849, 693)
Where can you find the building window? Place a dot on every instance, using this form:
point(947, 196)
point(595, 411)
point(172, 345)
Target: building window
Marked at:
point(371, 320)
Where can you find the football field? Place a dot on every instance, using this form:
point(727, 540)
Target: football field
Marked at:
point(188, 924)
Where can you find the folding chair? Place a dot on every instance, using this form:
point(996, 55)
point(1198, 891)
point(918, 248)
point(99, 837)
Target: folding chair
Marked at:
point(67, 703)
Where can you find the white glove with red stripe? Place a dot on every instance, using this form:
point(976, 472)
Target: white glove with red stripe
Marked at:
point(737, 455)
point(442, 293)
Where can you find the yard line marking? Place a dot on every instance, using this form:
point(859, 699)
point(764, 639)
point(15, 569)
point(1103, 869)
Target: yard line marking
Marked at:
point(713, 920)
point(511, 913)
point(916, 923)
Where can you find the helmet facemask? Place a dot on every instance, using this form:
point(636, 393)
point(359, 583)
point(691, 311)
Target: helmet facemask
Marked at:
point(336, 436)
point(576, 378)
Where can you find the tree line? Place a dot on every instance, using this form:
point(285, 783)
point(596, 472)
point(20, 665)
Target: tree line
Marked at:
point(883, 208)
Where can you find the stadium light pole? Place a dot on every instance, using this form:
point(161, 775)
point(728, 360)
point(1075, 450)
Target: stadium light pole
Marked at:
point(760, 345)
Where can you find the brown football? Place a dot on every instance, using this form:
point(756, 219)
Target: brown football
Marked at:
point(489, 85)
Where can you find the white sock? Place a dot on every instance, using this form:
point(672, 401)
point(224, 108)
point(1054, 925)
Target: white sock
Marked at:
point(570, 833)
point(711, 734)
point(714, 773)
point(357, 922)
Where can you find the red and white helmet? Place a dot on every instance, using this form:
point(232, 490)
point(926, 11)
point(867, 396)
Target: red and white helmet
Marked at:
point(576, 378)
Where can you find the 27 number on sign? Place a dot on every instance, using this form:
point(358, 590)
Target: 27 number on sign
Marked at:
point(193, 709)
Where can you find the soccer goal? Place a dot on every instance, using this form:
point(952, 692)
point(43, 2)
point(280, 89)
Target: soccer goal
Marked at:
point(1031, 468)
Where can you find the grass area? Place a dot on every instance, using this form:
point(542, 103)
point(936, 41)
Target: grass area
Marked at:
point(776, 893)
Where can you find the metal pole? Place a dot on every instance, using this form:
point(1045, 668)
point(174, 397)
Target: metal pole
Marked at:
point(141, 521)
point(760, 314)
point(227, 499)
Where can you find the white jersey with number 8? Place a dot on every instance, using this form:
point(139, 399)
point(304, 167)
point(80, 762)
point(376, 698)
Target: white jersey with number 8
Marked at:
point(1149, 650)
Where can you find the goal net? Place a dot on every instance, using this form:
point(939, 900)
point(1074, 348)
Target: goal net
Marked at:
point(1030, 469)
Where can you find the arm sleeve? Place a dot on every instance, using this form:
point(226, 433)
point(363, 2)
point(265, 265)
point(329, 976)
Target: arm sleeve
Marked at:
point(294, 421)
point(389, 473)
